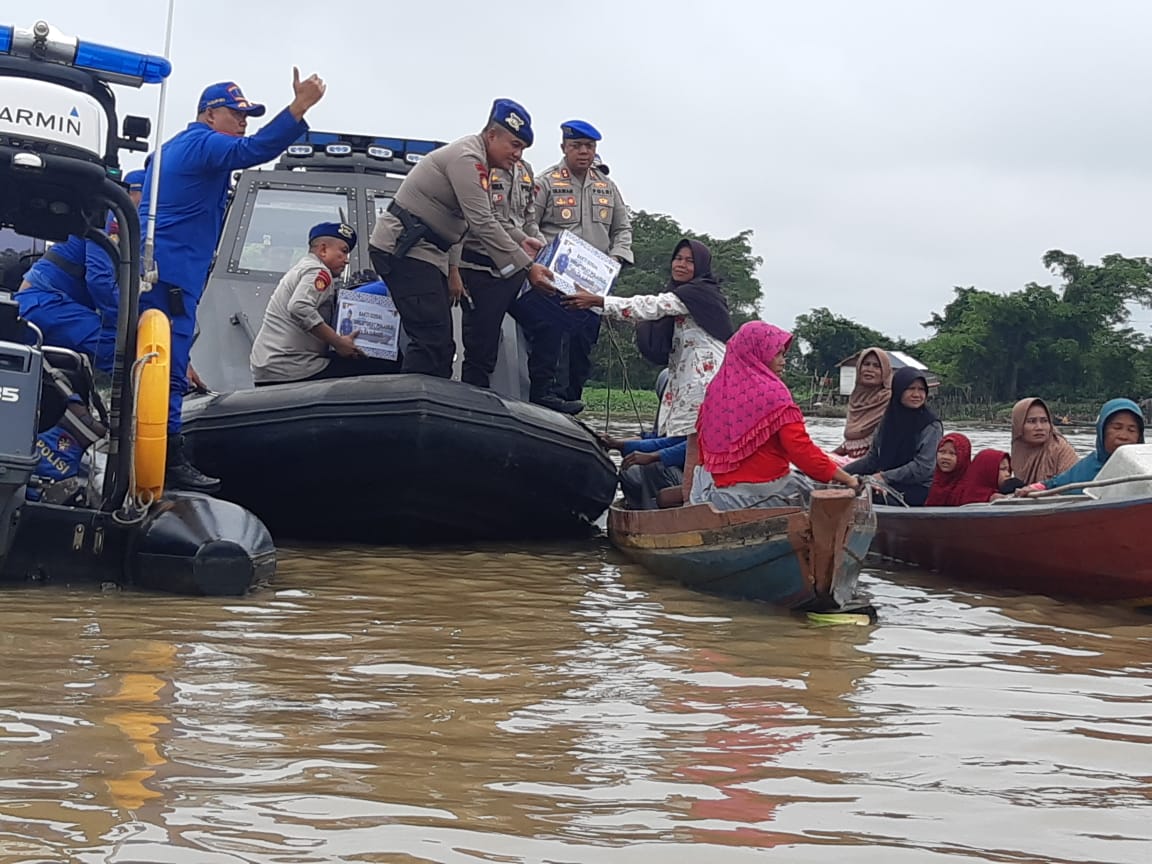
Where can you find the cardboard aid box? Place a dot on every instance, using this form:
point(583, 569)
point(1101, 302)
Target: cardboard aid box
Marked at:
point(375, 316)
point(574, 261)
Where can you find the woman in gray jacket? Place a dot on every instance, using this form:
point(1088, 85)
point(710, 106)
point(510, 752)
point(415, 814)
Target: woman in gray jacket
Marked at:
point(903, 453)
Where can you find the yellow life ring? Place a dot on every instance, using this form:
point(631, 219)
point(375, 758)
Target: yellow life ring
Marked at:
point(153, 335)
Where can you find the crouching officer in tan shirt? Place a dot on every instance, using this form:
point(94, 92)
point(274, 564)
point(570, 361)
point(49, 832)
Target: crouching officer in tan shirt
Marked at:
point(295, 340)
point(444, 197)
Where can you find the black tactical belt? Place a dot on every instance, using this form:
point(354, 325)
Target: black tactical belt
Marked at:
point(415, 229)
point(477, 258)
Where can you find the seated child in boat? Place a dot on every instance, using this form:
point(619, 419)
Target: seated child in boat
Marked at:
point(986, 478)
point(903, 451)
point(953, 457)
point(1119, 422)
point(296, 342)
point(751, 431)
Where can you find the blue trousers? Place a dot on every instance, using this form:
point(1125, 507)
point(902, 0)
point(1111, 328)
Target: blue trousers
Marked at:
point(66, 323)
point(183, 329)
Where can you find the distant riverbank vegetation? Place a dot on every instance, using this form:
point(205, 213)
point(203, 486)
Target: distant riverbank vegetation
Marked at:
point(1071, 342)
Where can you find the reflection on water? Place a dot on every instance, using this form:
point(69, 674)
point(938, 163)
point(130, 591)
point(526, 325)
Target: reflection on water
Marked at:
point(556, 704)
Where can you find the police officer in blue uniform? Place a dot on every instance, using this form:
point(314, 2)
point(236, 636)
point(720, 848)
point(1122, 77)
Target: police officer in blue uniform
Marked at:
point(72, 296)
point(134, 180)
point(195, 174)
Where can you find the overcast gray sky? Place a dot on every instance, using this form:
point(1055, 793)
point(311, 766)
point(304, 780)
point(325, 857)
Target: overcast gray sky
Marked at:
point(881, 151)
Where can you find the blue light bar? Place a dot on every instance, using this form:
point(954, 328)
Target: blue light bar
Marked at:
point(116, 61)
point(5, 39)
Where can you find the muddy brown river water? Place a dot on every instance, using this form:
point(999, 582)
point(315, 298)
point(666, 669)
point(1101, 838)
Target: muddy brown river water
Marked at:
point(556, 704)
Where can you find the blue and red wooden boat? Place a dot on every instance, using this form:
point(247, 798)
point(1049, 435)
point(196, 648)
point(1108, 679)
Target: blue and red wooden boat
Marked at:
point(800, 559)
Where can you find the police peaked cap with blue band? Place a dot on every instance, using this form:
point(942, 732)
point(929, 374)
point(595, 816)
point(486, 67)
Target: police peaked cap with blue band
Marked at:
point(574, 129)
point(134, 180)
point(227, 94)
point(512, 116)
point(337, 230)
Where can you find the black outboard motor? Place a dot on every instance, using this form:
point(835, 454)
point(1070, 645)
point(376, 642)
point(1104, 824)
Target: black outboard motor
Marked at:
point(59, 167)
point(20, 371)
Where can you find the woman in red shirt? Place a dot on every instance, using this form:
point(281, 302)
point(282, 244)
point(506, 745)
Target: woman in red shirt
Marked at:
point(751, 430)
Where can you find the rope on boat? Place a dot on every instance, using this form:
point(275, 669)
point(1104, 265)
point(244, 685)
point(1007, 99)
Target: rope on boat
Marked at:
point(884, 489)
point(135, 507)
point(1088, 484)
point(624, 378)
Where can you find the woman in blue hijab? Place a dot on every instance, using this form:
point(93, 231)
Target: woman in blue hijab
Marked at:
point(1120, 422)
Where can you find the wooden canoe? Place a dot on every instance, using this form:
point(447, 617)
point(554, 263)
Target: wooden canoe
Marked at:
point(807, 560)
point(1080, 549)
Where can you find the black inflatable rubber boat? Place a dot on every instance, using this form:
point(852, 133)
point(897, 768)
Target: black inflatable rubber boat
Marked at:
point(400, 458)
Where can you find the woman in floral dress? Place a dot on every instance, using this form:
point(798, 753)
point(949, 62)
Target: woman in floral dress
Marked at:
point(684, 326)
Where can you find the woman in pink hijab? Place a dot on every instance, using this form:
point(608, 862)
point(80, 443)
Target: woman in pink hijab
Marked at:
point(752, 432)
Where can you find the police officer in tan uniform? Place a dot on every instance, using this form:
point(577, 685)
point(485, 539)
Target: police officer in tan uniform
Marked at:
point(446, 195)
point(576, 195)
point(488, 296)
point(296, 341)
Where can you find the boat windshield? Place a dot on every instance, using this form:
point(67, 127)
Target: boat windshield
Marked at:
point(277, 231)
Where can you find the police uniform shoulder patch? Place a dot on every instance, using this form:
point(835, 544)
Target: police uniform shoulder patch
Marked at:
point(323, 280)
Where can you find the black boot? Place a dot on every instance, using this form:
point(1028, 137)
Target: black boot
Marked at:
point(182, 474)
point(564, 406)
point(541, 395)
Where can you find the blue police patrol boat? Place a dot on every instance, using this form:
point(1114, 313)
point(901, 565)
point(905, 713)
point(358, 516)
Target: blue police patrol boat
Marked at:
point(59, 163)
point(382, 458)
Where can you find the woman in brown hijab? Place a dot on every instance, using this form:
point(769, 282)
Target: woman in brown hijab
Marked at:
point(1039, 452)
point(866, 405)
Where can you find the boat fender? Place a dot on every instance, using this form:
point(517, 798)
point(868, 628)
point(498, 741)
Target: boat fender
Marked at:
point(154, 335)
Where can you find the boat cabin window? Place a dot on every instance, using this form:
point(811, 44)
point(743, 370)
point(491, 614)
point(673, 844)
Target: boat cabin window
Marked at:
point(378, 202)
point(278, 225)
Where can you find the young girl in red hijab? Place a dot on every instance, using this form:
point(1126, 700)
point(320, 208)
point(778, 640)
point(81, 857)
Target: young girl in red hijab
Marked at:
point(953, 457)
point(989, 470)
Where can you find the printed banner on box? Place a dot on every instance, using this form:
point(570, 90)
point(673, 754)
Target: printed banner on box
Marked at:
point(376, 318)
point(574, 261)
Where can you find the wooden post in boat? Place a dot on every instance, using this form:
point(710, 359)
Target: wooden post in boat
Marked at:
point(830, 516)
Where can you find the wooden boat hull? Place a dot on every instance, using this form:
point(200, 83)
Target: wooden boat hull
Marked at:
point(785, 556)
point(1095, 551)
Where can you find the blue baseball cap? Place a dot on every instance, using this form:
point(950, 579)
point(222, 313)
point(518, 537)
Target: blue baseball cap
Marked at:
point(512, 116)
point(574, 129)
point(134, 180)
point(227, 94)
point(339, 230)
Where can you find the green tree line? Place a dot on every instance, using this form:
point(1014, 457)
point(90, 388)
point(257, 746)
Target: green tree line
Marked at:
point(1069, 341)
